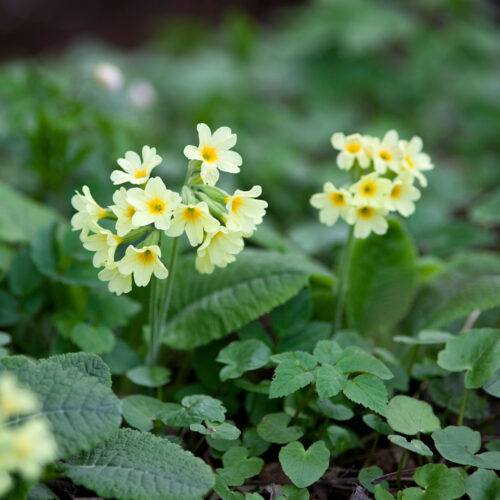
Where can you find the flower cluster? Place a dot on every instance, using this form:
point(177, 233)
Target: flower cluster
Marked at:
point(213, 220)
point(384, 173)
point(25, 448)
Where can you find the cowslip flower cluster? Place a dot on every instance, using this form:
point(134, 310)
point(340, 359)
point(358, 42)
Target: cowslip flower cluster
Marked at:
point(384, 172)
point(27, 447)
point(214, 221)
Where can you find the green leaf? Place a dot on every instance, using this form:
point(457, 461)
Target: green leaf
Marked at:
point(327, 352)
point(477, 352)
point(483, 485)
point(205, 308)
point(333, 410)
point(222, 489)
point(97, 339)
point(89, 364)
point(273, 428)
point(341, 439)
point(133, 465)
point(301, 358)
point(354, 360)
point(411, 416)
point(23, 276)
point(238, 467)
point(329, 381)
point(289, 377)
point(41, 492)
point(366, 475)
point(254, 443)
point(487, 210)
point(291, 492)
point(140, 411)
point(377, 424)
point(480, 294)
point(121, 358)
point(492, 386)
point(425, 337)
point(369, 391)
point(304, 467)
point(292, 317)
point(81, 410)
point(382, 279)
point(243, 356)
point(439, 483)
point(460, 445)
point(216, 430)
point(149, 376)
point(381, 493)
point(415, 445)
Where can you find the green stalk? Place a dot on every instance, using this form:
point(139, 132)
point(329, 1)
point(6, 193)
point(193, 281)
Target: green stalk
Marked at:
point(342, 284)
point(303, 403)
point(150, 358)
point(462, 407)
point(400, 466)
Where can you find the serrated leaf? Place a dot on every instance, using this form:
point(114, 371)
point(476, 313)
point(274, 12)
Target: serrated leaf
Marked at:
point(327, 352)
point(366, 475)
point(301, 358)
point(273, 428)
point(149, 376)
point(477, 352)
point(483, 485)
point(139, 411)
point(333, 410)
point(97, 339)
point(415, 445)
point(354, 360)
point(411, 416)
point(206, 308)
point(82, 411)
point(480, 294)
point(304, 467)
point(225, 430)
point(438, 481)
point(460, 444)
point(238, 467)
point(329, 381)
point(193, 409)
point(243, 356)
point(133, 465)
point(382, 279)
point(289, 377)
point(369, 391)
point(377, 424)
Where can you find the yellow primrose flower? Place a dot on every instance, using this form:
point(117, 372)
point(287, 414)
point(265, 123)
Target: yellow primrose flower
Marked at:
point(32, 446)
point(214, 153)
point(142, 263)
point(386, 153)
point(103, 243)
point(403, 195)
point(195, 220)
point(117, 282)
point(135, 170)
point(14, 400)
point(244, 211)
point(332, 203)
point(367, 218)
point(414, 160)
point(88, 211)
point(351, 147)
point(124, 212)
point(218, 249)
point(153, 204)
point(371, 190)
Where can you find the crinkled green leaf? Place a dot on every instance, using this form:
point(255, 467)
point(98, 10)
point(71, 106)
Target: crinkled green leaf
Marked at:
point(289, 377)
point(415, 445)
point(238, 467)
point(369, 391)
point(354, 360)
point(302, 358)
point(133, 465)
point(273, 428)
point(193, 409)
point(243, 356)
point(329, 381)
point(411, 416)
point(327, 352)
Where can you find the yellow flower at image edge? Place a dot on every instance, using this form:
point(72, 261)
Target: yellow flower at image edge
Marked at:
point(245, 212)
point(154, 204)
point(195, 220)
point(332, 203)
point(142, 263)
point(367, 219)
point(218, 249)
point(135, 170)
point(214, 152)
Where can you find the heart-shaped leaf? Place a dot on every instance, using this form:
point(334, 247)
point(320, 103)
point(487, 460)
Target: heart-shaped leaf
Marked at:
point(438, 481)
point(139, 411)
point(273, 429)
point(238, 467)
point(149, 376)
point(304, 467)
point(411, 416)
point(483, 485)
point(414, 445)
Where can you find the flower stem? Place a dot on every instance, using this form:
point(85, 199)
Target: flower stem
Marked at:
point(153, 299)
point(400, 466)
point(342, 283)
point(462, 407)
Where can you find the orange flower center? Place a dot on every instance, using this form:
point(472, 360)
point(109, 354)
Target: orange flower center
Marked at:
point(140, 173)
point(146, 257)
point(237, 202)
point(396, 191)
point(353, 148)
point(385, 155)
point(366, 212)
point(368, 188)
point(209, 154)
point(191, 214)
point(338, 199)
point(156, 206)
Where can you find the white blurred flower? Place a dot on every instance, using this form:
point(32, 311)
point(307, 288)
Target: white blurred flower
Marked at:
point(88, 211)
point(154, 204)
point(142, 94)
point(332, 203)
point(371, 190)
point(414, 160)
point(367, 219)
point(403, 195)
point(108, 76)
point(244, 210)
point(351, 147)
point(117, 282)
point(195, 220)
point(142, 263)
point(218, 249)
point(386, 153)
point(124, 212)
point(135, 170)
point(214, 153)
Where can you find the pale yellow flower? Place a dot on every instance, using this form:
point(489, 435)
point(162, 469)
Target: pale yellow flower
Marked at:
point(332, 203)
point(367, 219)
point(142, 263)
point(244, 210)
point(135, 170)
point(351, 147)
point(218, 249)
